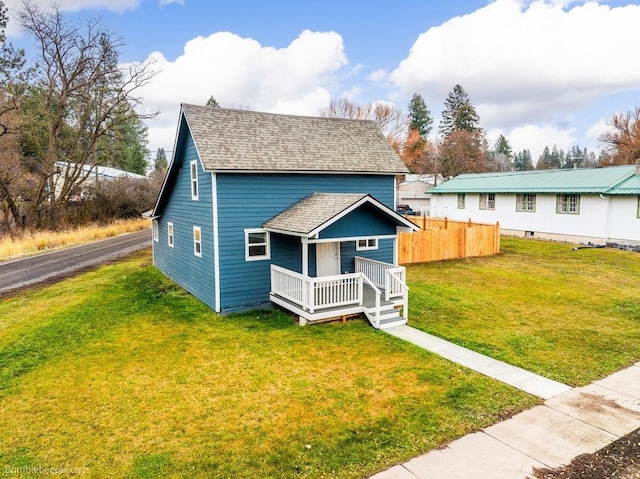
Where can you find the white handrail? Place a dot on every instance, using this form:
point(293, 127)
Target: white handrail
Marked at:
point(395, 280)
point(376, 317)
point(372, 269)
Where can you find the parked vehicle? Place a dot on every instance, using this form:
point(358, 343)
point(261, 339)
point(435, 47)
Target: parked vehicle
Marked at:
point(404, 209)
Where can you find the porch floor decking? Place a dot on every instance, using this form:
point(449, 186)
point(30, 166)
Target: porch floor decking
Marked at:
point(336, 311)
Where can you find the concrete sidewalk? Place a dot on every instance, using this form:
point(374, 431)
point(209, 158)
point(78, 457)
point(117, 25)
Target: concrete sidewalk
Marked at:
point(512, 375)
point(577, 421)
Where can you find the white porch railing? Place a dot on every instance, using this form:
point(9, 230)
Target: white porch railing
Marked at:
point(397, 287)
point(317, 293)
point(384, 275)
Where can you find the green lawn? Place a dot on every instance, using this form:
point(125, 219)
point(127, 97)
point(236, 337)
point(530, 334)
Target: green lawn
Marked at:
point(573, 316)
point(122, 373)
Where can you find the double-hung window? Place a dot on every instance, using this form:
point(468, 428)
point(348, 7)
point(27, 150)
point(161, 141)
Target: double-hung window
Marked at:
point(638, 207)
point(365, 244)
point(256, 244)
point(194, 179)
point(526, 202)
point(170, 234)
point(156, 233)
point(197, 241)
point(461, 199)
point(488, 201)
point(569, 204)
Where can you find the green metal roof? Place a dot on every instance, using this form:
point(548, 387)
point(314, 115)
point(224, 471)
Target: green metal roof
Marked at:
point(583, 180)
point(630, 186)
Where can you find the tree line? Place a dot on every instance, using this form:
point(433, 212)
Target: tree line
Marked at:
point(63, 113)
point(461, 145)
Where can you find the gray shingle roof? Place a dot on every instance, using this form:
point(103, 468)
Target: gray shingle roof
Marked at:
point(312, 212)
point(243, 140)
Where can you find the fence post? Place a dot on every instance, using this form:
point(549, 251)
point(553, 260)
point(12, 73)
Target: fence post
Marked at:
point(446, 221)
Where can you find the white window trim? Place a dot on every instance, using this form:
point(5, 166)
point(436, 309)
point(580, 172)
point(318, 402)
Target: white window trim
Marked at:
point(267, 245)
point(193, 172)
point(170, 235)
point(462, 200)
point(638, 215)
point(156, 231)
point(196, 242)
point(371, 244)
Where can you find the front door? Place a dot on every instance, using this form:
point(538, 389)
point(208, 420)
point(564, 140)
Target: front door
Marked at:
point(327, 259)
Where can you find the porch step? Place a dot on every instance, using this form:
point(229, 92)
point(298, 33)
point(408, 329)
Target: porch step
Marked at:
point(392, 322)
point(389, 317)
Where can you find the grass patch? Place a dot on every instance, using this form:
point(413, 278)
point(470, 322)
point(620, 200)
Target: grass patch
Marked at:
point(121, 372)
point(30, 243)
point(573, 316)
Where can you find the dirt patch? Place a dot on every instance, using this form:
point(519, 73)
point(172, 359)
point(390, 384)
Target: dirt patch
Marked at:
point(618, 460)
point(598, 404)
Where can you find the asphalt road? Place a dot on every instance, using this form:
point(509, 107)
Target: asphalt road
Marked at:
point(47, 267)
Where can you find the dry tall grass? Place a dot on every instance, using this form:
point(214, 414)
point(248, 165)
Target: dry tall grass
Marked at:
point(40, 241)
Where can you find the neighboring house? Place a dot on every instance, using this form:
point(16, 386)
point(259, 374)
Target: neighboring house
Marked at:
point(597, 205)
point(414, 191)
point(90, 175)
point(260, 208)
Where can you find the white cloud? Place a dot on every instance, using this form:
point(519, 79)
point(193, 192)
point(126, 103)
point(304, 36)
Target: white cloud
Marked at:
point(597, 129)
point(534, 138)
point(526, 62)
point(378, 76)
point(167, 2)
point(352, 93)
point(240, 71)
point(118, 6)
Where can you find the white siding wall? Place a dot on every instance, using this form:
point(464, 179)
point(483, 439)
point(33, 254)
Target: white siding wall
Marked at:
point(624, 223)
point(614, 218)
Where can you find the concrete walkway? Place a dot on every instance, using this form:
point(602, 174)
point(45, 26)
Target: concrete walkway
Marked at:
point(571, 422)
point(512, 375)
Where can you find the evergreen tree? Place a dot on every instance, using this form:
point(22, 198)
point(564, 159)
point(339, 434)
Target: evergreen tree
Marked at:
point(502, 154)
point(502, 146)
point(458, 113)
point(544, 160)
point(212, 102)
point(419, 116)
point(160, 163)
point(523, 161)
point(557, 157)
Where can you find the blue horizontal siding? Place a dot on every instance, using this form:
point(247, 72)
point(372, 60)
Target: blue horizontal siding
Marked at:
point(247, 201)
point(195, 274)
point(364, 221)
point(348, 253)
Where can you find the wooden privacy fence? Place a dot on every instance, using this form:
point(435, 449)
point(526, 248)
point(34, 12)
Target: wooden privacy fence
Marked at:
point(442, 238)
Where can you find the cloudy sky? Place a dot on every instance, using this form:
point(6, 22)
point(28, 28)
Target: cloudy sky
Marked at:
point(540, 72)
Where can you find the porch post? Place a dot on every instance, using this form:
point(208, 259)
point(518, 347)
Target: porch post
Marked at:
point(395, 250)
point(305, 256)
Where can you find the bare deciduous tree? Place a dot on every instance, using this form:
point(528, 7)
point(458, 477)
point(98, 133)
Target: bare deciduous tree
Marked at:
point(83, 96)
point(623, 143)
point(387, 118)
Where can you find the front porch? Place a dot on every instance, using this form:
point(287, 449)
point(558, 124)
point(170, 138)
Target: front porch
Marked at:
point(376, 289)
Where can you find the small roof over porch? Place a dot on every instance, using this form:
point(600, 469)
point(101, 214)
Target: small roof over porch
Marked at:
point(337, 215)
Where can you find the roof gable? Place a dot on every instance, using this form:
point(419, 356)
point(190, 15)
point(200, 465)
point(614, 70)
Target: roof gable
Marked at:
point(581, 180)
point(317, 211)
point(242, 140)
point(630, 186)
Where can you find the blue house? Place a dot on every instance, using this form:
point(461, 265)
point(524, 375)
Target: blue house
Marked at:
point(260, 209)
